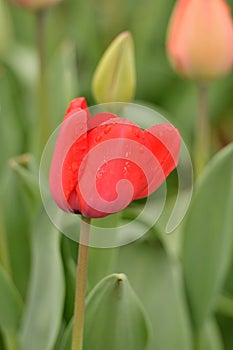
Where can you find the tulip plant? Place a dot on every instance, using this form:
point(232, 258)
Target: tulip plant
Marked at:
point(201, 53)
point(96, 171)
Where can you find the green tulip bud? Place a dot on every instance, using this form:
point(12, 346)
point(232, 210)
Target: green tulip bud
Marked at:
point(114, 79)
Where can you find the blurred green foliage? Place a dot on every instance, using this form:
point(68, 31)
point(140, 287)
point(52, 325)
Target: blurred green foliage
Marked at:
point(179, 288)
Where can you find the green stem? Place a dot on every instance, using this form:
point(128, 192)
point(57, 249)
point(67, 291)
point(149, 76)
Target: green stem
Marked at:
point(81, 282)
point(44, 120)
point(11, 341)
point(197, 344)
point(4, 254)
point(202, 132)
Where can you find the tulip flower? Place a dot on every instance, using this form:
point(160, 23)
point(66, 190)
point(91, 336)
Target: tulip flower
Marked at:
point(102, 163)
point(200, 39)
point(114, 79)
point(36, 4)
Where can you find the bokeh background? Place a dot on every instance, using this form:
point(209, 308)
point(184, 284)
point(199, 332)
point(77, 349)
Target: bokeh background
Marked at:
point(77, 33)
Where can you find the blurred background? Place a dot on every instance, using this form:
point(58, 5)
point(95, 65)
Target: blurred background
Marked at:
point(77, 34)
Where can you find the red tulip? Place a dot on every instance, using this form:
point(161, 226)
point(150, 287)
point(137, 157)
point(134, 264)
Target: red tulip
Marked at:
point(200, 38)
point(102, 163)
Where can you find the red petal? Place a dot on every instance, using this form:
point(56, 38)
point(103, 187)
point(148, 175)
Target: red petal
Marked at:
point(118, 159)
point(142, 159)
point(99, 119)
point(100, 171)
point(76, 105)
point(164, 142)
point(68, 151)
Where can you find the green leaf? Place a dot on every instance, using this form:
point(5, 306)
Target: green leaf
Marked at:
point(100, 264)
point(228, 288)
point(11, 128)
point(17, 219)
point(10, 304)
point(4, 253)
point(5, 28)
point(208, 235)
point(65, 343)
point(210, 337)
point(69, 253)
point(62, 70)
point(114, 317)
point(27, 172)
point(226, 326)
point(157, 280)
point(225, 306)
point(45, 302)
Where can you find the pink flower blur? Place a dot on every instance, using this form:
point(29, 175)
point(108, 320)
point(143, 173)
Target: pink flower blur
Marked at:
point(200, 38)
point(36, 4)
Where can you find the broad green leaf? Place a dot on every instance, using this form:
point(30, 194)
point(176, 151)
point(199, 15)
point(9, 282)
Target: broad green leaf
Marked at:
point(63, 78)
point(226, 326)
point(10, 304)
point(17, 218)
point(25, 168)
point(4, 253)
point(228, 288)
point(69, 254)
point(100, 264)
point(5, 28)
point(225, 305)
point(23, 62)
point(65, 343)
point(45, 302)
point(101, 261)
point(11, 128)
point(157, 280)
point(208, 235)
point(210, 338)
point(114, 317)
point(60, 336)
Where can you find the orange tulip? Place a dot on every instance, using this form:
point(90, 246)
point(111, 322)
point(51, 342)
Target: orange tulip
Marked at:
point(200, 39)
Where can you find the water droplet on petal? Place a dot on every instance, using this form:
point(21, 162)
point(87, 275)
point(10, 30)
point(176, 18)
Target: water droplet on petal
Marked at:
point(124, 171)
point(74, 166)
point(98, 138)
point(99, 175)
point(107, 129)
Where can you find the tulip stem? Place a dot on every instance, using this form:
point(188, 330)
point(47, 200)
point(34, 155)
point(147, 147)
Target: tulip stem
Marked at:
point(197, 341)
point(202, 136)
point(81, 282)
point(4, 253)
point(43, 118)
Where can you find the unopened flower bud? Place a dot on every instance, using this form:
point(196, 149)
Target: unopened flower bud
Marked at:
point(200, 39)
point(114, 78)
